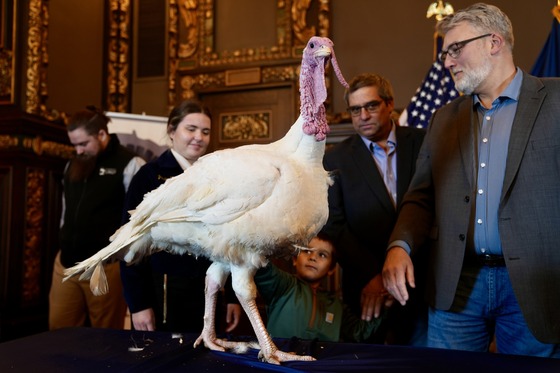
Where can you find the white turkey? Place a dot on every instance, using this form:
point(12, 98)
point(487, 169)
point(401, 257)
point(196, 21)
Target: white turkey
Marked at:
point(238, 207)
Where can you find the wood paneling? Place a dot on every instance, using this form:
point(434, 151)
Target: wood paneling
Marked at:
point(33, 153)
point(278, 101)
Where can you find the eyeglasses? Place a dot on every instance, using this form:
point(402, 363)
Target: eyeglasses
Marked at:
point(371, 108)
point(455, 49)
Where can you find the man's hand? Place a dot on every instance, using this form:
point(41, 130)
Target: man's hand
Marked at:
point(374, 298)
point(233, 316)
point(397, 272)
point(144, 320)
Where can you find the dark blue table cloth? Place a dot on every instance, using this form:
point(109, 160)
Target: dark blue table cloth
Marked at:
point(103, 350)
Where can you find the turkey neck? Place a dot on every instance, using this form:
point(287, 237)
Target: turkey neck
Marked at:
point(301, 146)
point(310, 149)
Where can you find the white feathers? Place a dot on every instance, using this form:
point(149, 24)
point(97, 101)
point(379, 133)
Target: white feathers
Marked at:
point(230, 206)
point(238, 207)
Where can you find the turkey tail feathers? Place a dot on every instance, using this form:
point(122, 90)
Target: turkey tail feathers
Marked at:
point(92, 270)
point(93, 267)
point(98, 282)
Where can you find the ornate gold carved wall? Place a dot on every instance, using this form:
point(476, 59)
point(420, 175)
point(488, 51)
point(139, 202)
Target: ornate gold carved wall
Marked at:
point(34, 208)
point(197, 65)
point(117, 65)
point(36, 145)
point(7, 51)
point(36, 90)
point(214, 54)
point(33, 150)
point(246, 126)
point(118, 61)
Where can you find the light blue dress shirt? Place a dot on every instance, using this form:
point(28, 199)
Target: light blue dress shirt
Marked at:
point(494, 131)
point(386, 162)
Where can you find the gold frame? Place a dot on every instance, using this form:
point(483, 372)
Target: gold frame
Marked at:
point(118, 63)
point(246, 126)
point(36, 92)
point(292, 32)
point(2, 25)
point(208, 55)
point(7, 56)
point(37, 56)
point(195, 65)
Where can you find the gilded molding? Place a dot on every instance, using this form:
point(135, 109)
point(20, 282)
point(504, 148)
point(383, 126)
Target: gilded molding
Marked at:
point(36, 145)
point(203, 68)
point(324, 18)
point(302, 31)
point(37, 62)
point(189, 16)
point(8, 52)
point(278, 74)
point(191, 83)
point(173, 37)
point(34, 216)
point(245, 126)
point(55, 149)
point(34, 56)
point(8, 142)
point(118, 63)
point(208, 57)
point(6, 75)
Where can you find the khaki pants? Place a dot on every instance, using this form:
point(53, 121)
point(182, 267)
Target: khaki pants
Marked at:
point(71, 302)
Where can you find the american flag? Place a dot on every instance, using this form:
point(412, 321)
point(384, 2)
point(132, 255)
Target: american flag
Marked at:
point(436, 90)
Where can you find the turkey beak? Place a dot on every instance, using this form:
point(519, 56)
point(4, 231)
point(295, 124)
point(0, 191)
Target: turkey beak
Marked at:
point(324, 52)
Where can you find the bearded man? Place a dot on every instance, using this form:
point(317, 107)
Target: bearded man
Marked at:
point(485, 198)
point(95, 183)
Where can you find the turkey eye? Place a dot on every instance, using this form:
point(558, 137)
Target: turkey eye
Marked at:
point(312, 45)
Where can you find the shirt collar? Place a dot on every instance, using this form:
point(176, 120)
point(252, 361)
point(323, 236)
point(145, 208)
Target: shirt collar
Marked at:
point(181, 160)
point(510, 92)
point(391, 139)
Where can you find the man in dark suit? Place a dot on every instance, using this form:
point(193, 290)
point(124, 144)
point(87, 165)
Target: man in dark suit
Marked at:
point(486, 196)
point(372, 171)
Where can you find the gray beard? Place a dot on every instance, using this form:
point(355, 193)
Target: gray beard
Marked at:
point(472, 80)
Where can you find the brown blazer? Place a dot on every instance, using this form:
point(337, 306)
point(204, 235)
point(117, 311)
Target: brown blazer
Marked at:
point(438, 206)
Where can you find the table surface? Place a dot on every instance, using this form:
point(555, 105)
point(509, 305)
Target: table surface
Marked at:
point(100, 350)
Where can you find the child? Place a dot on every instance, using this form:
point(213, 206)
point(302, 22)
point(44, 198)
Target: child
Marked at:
point(297, 307)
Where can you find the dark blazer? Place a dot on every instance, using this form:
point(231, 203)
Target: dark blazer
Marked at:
point(438, 206)
point(361, 214)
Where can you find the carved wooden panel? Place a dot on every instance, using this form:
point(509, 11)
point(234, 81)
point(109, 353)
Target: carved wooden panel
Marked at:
point(33, 153)
point(118, 55)
point(7, 51)
point(150, 38)
point(249, 116)
point(207, 53)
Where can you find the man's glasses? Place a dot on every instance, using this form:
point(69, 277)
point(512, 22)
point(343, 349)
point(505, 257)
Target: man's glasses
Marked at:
point(371, 108)
point(455, 49)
